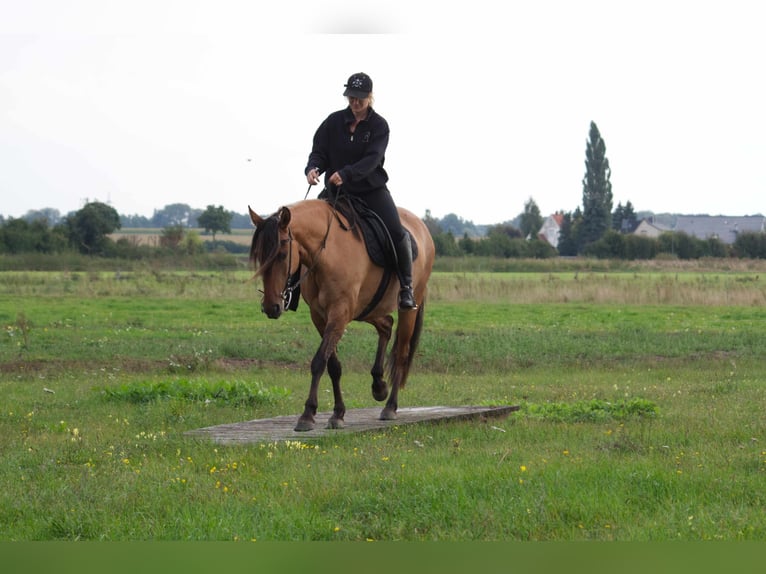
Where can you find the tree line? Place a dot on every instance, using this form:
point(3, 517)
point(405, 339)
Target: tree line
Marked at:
point(594, 229)
point(88, 231)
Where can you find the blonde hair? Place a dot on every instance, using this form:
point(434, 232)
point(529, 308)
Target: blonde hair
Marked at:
point(370, 99)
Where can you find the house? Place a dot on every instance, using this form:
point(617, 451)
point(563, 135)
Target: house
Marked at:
point(722, 227)
point(649, 228)
point(550, 230)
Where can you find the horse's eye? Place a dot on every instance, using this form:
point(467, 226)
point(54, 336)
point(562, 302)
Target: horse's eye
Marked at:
point(281, 256)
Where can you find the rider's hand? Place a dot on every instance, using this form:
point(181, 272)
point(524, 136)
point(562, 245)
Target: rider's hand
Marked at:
point(313, 176)
point(336, 179)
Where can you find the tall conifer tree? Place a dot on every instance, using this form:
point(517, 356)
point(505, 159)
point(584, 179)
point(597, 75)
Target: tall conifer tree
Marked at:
point(596, 190)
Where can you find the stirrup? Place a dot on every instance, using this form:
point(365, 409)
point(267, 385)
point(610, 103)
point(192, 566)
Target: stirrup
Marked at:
point(407, 299)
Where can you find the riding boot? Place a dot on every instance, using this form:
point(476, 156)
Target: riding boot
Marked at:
point(404, 258)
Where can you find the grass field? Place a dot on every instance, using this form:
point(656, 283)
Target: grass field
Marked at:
point(642, 411)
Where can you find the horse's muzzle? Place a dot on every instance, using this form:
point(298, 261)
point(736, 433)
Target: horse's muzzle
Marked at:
point(272, 311)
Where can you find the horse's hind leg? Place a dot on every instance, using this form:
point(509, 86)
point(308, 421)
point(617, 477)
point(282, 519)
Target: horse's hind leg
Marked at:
point(383, 326)
point(406, 334)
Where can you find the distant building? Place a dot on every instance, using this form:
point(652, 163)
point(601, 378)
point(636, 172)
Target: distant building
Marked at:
point(551, 228)
point(722, 227)
point(649, 228)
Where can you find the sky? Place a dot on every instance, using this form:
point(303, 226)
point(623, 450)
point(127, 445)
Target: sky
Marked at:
point(144, 104)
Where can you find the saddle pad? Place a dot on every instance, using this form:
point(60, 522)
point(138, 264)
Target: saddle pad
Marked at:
point(374, 231)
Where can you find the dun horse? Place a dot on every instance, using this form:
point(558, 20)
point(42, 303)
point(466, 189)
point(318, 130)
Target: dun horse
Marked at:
point(310, 247)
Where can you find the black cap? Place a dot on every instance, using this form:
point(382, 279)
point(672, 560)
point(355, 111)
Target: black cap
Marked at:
point(358, 86)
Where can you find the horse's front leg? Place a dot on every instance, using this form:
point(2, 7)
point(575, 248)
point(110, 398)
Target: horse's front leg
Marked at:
point(319, 363)
point(306, 421)
point(339, 409)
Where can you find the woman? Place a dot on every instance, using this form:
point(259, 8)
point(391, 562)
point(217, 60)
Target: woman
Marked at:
point(349, 148)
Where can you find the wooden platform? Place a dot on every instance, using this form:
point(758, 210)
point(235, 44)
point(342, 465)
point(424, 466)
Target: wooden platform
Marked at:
point(357, 420)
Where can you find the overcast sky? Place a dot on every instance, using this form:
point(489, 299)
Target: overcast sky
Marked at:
point(142, 104)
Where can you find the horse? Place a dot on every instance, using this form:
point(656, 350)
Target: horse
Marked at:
point(312, 248)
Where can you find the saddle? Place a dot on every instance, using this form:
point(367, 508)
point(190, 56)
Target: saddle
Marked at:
point(380, 247)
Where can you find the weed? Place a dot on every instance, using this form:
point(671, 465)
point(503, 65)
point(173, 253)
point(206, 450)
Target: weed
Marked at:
point(594, 410)
point(199, 390)
point(20, 329)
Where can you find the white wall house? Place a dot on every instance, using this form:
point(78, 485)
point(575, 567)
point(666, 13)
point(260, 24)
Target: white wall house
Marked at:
point(551, 229)
point(648, 228)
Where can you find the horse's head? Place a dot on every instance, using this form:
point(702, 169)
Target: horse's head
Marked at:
point(275, 258)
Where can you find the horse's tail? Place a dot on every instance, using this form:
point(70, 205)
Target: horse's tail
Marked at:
point(401, 368)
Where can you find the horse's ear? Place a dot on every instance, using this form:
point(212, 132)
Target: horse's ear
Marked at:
point(284, 217)
point(254, 217)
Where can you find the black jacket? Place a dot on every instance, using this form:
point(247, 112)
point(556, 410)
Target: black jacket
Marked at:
point(359, 157)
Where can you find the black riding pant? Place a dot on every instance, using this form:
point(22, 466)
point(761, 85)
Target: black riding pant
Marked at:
point(381, 202)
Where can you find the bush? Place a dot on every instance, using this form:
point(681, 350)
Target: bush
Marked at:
point(610, 246)
point(750, 245)
point(637, 247)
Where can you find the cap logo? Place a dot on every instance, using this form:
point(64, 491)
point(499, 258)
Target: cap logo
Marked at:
point(359, 85)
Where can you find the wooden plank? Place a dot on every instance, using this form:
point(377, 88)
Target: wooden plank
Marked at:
point(357, 420)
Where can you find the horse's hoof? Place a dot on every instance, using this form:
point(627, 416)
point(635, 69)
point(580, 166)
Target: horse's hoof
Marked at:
point(335, 423)
point(304, 425)
point(379, 391)
point(388, 414)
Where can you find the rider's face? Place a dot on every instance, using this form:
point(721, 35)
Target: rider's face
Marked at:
point(358, 104)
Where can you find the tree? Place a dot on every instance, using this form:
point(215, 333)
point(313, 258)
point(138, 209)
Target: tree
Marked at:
point(173, 214)
point(172, 236)
point(750, 244)
point(637, 247)
point(445, 245)
point(215, 219)
point(568, 234)
point(22, 236)
point(531, 220)
point(596, 189)
point(466, 244)
point(432, 224)
point(679, 244)
point(135, 220)
point(52, 216)
point(88, 228)
point(624, 218)
point(457, 226)
point(241, 221)
point(611, 245)
point(505, 229)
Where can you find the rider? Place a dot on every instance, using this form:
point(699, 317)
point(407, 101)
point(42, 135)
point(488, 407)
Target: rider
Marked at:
point(349, 148)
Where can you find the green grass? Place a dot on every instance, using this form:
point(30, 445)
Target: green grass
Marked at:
point(641, 415)
point(236, 392)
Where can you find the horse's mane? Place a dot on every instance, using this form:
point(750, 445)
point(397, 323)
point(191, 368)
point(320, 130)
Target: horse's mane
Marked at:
point(265, 244)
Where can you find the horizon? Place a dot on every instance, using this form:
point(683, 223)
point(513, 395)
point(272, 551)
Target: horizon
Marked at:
point(489, 104)
point(640, 214)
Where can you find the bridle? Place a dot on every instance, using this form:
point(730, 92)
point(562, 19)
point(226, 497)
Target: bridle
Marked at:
point(295, 279)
